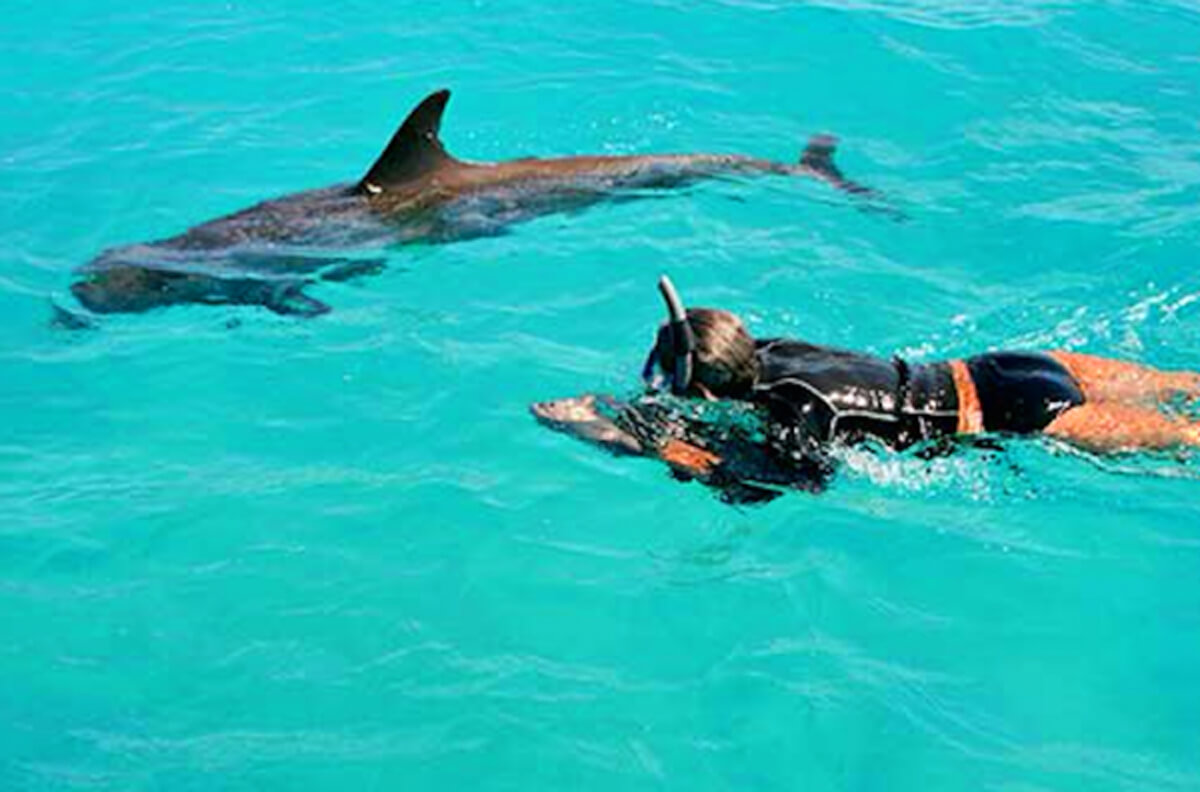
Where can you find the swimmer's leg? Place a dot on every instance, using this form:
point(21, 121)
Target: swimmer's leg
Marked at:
point(1107, 380)
point(1110, 427)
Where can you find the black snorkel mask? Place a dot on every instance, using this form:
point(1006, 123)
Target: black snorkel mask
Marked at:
point(681, 339)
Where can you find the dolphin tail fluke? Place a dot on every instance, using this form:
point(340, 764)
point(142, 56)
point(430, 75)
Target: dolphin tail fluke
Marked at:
point(817, 161)
point(414, 150)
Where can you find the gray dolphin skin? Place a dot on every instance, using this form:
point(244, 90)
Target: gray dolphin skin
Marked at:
point(416, 191)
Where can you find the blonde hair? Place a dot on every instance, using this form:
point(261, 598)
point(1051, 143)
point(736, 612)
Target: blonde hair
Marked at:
point(724, 360)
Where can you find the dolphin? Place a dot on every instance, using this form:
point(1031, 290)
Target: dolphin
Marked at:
point(415, 191)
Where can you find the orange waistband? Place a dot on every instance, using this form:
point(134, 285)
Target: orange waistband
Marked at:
point(970, 412)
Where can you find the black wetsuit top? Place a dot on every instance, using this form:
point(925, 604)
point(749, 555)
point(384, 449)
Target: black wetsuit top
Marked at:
point(829, 393)
point(838, 394)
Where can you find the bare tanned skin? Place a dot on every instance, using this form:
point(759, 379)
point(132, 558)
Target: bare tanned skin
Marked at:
point(1121, 412)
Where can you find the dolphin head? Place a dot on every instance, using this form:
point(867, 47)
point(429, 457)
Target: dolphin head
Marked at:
point(133, 289)
point(126, 289)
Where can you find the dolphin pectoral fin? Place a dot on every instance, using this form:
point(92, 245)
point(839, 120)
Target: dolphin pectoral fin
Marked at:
point(63, 319)
point(288, 299)
point(414, 150)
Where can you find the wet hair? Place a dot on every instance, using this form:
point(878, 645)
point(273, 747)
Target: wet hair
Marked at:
point(724, 361)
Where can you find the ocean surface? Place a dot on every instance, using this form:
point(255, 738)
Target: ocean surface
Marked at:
point(240, 551)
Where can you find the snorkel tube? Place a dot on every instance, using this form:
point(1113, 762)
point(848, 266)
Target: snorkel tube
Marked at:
point(682, 340)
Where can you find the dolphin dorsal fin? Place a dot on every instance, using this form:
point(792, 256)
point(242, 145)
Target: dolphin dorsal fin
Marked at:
point(414, 150)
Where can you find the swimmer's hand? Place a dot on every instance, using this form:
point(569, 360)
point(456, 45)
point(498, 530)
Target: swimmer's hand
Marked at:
point(580, 418)
point(688, 458)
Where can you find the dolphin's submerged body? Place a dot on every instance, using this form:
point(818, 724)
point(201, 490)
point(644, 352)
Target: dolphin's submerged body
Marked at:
point(266, 254)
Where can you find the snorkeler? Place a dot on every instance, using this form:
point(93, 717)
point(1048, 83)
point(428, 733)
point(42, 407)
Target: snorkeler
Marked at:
point(808, 396)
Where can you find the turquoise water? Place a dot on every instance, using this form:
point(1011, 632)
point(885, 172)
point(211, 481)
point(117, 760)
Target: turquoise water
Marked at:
point(244, 552)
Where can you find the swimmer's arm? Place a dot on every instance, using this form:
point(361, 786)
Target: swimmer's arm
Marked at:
point(581, 418)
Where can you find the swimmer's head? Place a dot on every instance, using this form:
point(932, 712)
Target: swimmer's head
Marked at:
point(709, 353)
